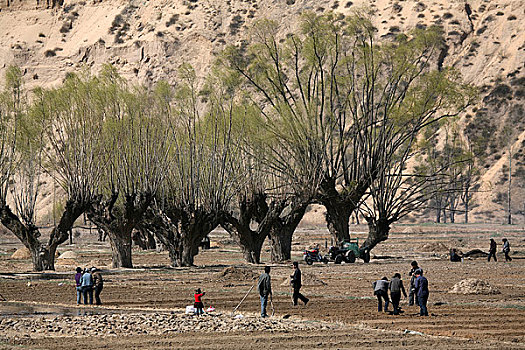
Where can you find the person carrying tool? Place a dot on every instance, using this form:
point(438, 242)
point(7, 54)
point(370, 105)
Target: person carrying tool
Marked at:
point(412, 290)
point(381, 292)
point(396, 287)
point(264, 286)
point(296, 285)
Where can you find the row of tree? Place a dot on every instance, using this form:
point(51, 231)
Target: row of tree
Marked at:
point(324, 115)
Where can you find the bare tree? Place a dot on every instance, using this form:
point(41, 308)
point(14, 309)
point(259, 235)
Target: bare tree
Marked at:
point(204, 169)
point(136, 150)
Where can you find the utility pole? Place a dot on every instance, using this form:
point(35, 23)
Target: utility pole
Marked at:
point(510, 183)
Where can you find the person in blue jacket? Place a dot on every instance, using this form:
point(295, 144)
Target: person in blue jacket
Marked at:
point(422, 292)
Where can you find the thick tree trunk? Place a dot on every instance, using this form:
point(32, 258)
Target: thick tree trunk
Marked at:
point(339, 206)
point(180, 232)
point(282, 232)
point(281, 245)
point(378, 231)
point(119, 229)
point(143, 238)
point(120, 249)
point(338, 220)
point(249, 241)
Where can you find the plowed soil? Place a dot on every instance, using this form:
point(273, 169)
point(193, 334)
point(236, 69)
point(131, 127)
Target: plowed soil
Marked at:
point(459, 320)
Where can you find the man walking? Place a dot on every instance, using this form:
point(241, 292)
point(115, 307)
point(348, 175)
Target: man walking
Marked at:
point(506, 249)
point(265, 289)
point(492, 249)
point(422, 292)
point(98, 284)
point(396, 287)
point(412, 290)
point(296, 285)
point(381, 292)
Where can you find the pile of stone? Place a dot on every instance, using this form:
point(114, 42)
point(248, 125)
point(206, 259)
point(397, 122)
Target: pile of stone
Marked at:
point(473, 286)
point(148, 323)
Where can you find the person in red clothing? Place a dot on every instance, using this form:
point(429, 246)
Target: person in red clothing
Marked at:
point(199, 306)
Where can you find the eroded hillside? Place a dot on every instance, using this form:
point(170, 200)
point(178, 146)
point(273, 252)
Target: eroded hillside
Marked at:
point(148, 40)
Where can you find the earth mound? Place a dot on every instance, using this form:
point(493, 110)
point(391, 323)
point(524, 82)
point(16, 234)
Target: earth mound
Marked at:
point(308, 279)
point(473, 286)
point(21, 254)
point(437, 247)
point(236, 274)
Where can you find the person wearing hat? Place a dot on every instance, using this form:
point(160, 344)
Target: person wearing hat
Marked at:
point(412, 290)
point(396, 287)
point(98, 284)
point(421, 292)
point(86, 283)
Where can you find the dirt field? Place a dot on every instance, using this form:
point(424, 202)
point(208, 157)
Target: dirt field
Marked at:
point(342, 312)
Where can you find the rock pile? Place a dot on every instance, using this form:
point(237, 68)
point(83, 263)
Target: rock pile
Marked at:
point(145, 323)
point(473, 286)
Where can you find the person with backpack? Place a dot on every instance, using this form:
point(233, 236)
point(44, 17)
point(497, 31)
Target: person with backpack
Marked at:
point(396, 287)
point(381, 292)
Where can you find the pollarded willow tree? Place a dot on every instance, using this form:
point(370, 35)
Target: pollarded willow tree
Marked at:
point(404, 182)
point(59, 134)
point(203, 176)
point(136, 148)
point(335, 85)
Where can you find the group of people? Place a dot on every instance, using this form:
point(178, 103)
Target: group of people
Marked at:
point(88, 281)
point(494, 247)
point(418, 291)
point(264, 287)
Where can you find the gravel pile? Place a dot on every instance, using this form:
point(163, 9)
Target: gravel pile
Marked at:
point(151, 324)
point(473, 286)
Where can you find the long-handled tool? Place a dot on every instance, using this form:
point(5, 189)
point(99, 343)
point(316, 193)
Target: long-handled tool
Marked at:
point(243, 299)
point(271, 304)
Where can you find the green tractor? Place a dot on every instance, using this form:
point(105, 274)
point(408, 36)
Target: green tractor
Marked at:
point(348, 251)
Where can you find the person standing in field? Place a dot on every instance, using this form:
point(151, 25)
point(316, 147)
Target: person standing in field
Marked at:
point(296, 285)
point(264, 286)
point(396, 287)
point(199, 305)
point(78, 287)
point(492, 249)
point(412, 290)
point(98, 284)
point(381, 292)
point(422, 292)
point(506, 250)
point(87, 286)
